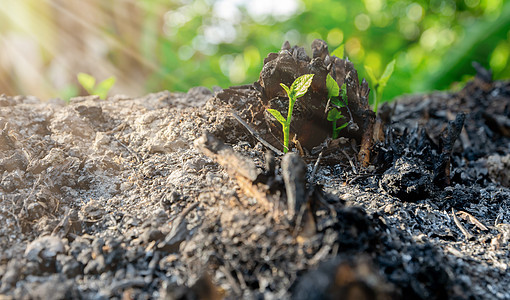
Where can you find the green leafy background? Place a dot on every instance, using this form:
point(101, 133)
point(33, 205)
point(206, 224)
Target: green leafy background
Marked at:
point(177, 44)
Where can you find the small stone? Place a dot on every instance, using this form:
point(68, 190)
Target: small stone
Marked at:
point(390, 209)
point(46, 248)
point(152, 234)
point(96, 266)
point(68, 266)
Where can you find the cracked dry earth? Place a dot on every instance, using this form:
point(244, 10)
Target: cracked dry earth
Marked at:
point(115, 199)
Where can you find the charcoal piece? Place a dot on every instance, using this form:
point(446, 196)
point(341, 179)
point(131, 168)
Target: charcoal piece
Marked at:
point(482, 73)
point(55, 288)
point(498, 123)
point(408, 180)
point(169, 199)
point(249, 177)
point(344, 278)
point(286, 46)
point(293, 173)
point(173, 240)
point(270, 162)
point(498, 168)
point(151, 234)
point(319, 49)
point(202, 289)
point(11, 274)
point(447, 139)
point(69, 224)
point(44, 251)
point(69, 266)
point(178, 233)
point(96, 266)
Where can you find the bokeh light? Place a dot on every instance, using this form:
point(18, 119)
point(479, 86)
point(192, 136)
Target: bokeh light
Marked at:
point(177, 44)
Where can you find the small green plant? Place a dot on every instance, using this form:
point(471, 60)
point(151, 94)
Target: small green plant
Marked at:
point(89, 84)
point(339, 52)
point(380, 84)
point(298, 89)
point(337, 102)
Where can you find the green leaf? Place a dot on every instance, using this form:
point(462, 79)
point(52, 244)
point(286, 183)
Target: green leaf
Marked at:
point(332, 86)
point(278, 116)
point(334, 115)
point(342, 126)
point(390, 67)
point(87, 81)
point(337, 102)
point(287, 90)
point(300, 86)
point(104, 87)
point(339, 52)
point(371, 76)
point(344, 94)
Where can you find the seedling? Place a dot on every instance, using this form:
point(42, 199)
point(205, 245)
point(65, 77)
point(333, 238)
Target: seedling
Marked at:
point(380, 83)
point(339, 52)
point(337, 102)
point(89, 84)
point(298, 89)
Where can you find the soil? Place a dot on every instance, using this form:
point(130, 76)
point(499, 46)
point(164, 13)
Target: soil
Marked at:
point(127, 198)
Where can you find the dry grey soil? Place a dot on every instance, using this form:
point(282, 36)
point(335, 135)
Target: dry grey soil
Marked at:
point(111, 199)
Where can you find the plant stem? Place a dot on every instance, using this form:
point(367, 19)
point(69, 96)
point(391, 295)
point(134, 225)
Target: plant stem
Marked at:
point(286, 133)
point(286, 127)
point(376, 101)
point(335, 133)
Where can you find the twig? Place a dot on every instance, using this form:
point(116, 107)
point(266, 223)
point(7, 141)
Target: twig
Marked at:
point(315, 167)
point(136, 155)
point(126, 283)
point(231, 280)
point(255, 134)
point(11, 213)
point(466, 216)
point(350, 162)
point(462, 229)
point(347, 107)
point(178, 220)
point(362, 176)
point(298, 145)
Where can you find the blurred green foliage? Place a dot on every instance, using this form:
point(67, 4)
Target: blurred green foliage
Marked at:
point(434, 42)
point(101, 89)
point(178, 44)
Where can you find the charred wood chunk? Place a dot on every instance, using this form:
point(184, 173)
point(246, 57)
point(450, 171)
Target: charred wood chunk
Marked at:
point(234, 162)
point(294, 176)
point(447, 139)
point(345, 278)
point(320, 49)
point(408, 180)
point(309, 122)
point(482, 73)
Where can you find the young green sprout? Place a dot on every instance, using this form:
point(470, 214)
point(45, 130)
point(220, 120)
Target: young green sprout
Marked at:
point(380, 83)
point(298, 89)
point(89, 84)
point(334, 114)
